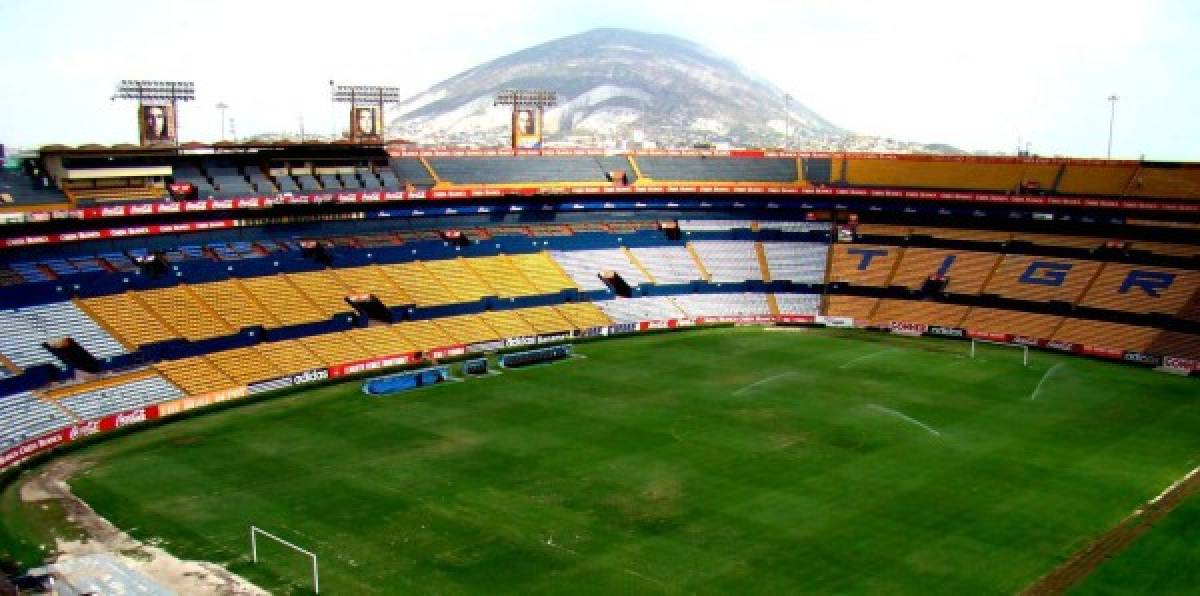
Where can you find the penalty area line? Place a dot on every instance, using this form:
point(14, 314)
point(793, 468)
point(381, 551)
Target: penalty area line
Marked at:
point(762, 382)
point(866, 356)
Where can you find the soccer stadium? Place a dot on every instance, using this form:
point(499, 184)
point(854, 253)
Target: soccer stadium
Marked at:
point(367, 365)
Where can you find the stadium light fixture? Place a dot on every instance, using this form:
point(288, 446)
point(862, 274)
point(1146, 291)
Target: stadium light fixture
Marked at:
point(156, 93)
point(355, 95)
point(531, 101)
point(222, 106)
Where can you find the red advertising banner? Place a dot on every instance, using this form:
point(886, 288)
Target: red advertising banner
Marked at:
point(355, 367)
point(75, 432)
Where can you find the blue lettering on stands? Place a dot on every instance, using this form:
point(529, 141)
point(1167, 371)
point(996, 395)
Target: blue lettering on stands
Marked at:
point(946, 264)
point(1150, 282)
point(1045, 273)
point(867, 254)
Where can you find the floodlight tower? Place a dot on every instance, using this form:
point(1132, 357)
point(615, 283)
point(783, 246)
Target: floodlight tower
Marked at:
point(222, 106)
point(1112, 116)
point(162, 96)
point(531, 103)
point(787, 119)
point(368, 98)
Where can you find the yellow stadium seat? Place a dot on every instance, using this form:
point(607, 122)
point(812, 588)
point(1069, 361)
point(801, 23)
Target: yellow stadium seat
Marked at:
point(282, 299)
point(127, 319)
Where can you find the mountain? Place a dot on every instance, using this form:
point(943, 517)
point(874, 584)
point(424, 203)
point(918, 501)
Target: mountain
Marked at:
point(611, 82)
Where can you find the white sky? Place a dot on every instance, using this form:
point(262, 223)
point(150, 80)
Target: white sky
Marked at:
point(977, 75)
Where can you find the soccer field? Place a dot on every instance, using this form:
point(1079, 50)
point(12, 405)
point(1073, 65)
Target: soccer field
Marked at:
point(719, 460)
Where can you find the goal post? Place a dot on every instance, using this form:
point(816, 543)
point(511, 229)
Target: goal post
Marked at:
point(1024, 349)
point(255, 531)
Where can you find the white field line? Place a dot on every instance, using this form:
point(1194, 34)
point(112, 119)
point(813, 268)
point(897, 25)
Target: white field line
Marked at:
point(866, 356)
point(1174, 485)
point(906, 418)
point(1037, 390)
point(762, 382)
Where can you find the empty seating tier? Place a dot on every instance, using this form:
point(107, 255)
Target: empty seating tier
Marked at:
point(463, 283)
point(282, 299)
point(23, 331)
point(996, 320)
point(425, 335)
point(583, 315)
point(585, 267)
point(632, 310)
point(195, 375)
point(1137, 288)
point(799, 262)
point(667, 264)
point(798, 304)
point(467, 329)
point(184, 312)
point(228, 298)
point(324, 290)
point(1041, 279)
point(964, 271)
point(917, 311)
point(545, 275)
point(854, 307)
point(723, 305)
point(862, 264)
point(372, 280)
point(545, 319)
point(722, 169)
point(507, 323)
point(499, 274)
point(419, 284)
point(728, 260)
point(1106, 335)
point(120, 396)
point(382, 340)
point(290, 356)
point(127, 319)
point(245, 365)
point(335, 348)
point(1096, 180)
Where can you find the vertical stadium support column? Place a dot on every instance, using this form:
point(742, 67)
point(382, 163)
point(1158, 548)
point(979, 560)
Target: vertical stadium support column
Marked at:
point(699, 264)
point(874, 310)
point(437, 180)
point(761, 253)
point(1088, 287)
point(81, 305)
point(9, 365)
point(638, 264)
point(800, 172)
point(992, 273)
point(1133, 178)
point(772, 304)
point(1058, 176)
point(636, 170)
point(64, 409)
point(895, 267)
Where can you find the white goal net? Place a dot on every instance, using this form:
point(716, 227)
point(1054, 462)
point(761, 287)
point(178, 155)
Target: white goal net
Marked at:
point(978, 343)
point(255, 532)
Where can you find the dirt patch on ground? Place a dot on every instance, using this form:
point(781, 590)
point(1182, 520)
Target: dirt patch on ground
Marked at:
point(1092, 556)
point(184, 577)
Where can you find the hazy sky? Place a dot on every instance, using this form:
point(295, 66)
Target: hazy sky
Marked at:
point(977, 75)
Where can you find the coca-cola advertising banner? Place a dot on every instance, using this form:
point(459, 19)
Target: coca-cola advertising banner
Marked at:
point(76, 432)
point(907, 328)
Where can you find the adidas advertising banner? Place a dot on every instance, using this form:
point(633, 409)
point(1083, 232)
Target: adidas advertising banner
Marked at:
point(946, 331)
point(623, 328)
point(840, 322)
point(1142, 358)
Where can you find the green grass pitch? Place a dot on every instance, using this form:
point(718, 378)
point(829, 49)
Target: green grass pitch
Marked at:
point(720, 460)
